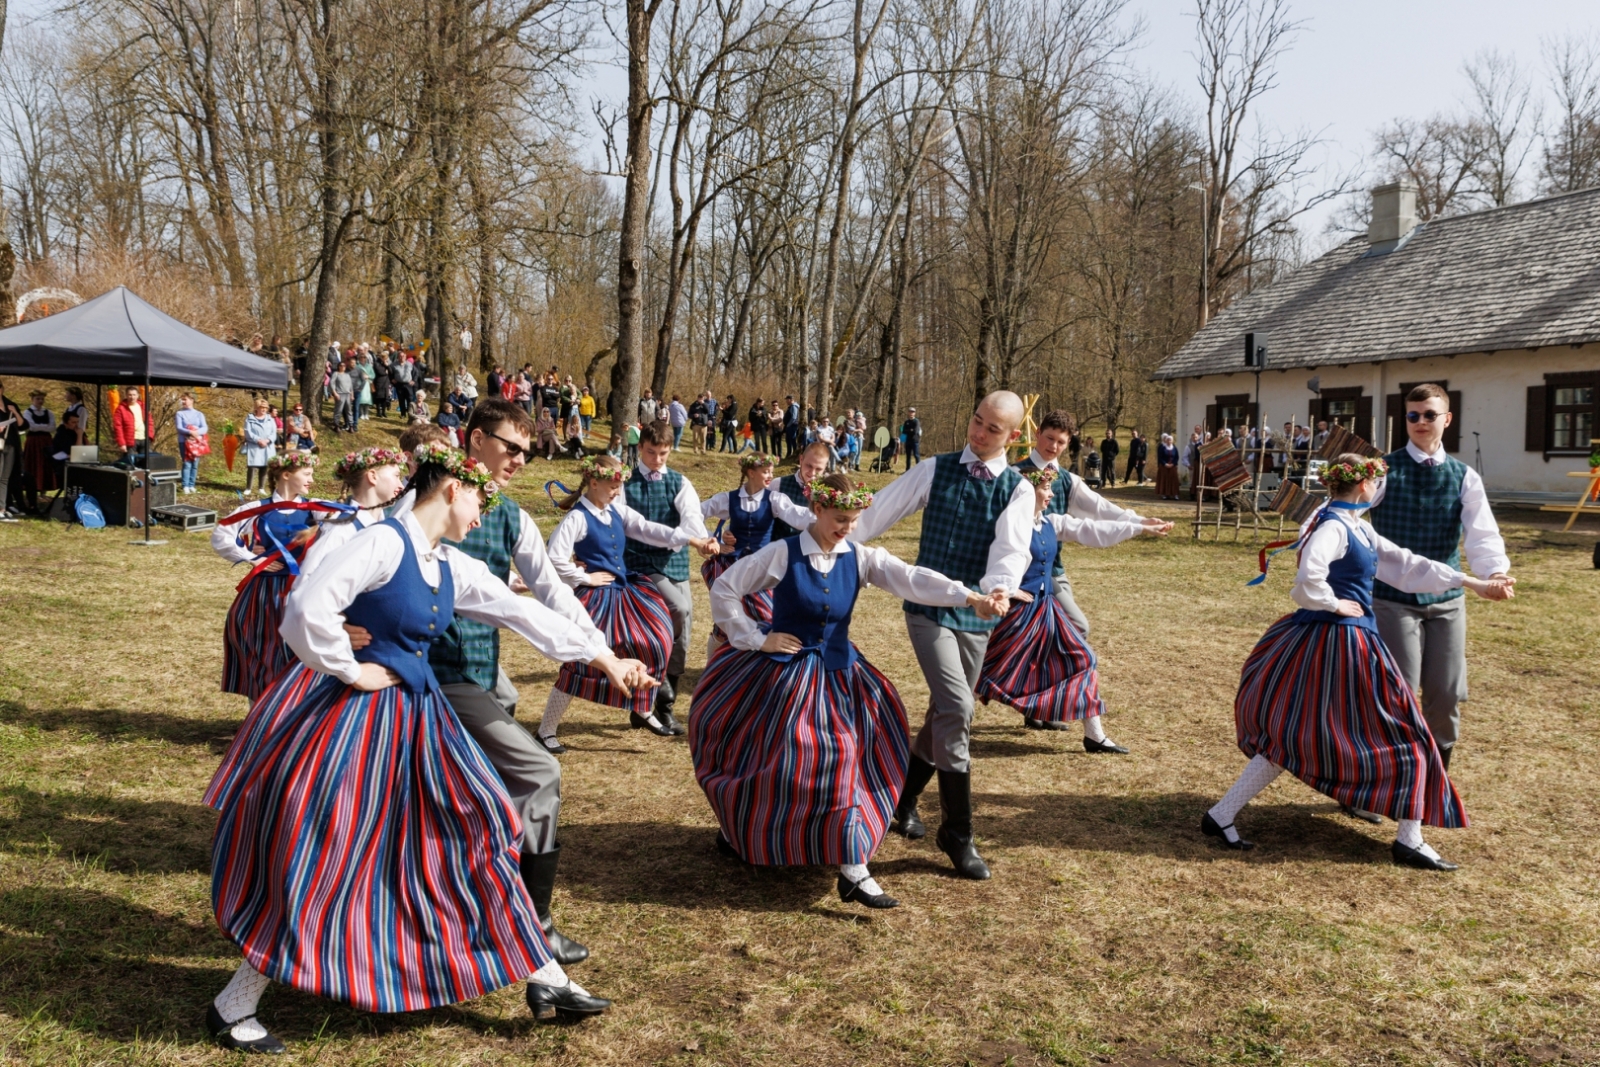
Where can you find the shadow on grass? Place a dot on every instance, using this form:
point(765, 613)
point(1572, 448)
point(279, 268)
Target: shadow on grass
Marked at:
point(115, 724)
point(98, 964)
point(114, 833)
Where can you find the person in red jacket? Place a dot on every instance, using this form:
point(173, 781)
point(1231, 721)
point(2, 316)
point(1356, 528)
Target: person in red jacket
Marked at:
point(129, 427)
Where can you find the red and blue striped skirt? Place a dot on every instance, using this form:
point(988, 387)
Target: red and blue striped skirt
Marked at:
point(1327, 703)
point(366, 851)
point(637, 625)
point(801, 765)
point(1038, 663)
point(757, 605)
point(253, 655)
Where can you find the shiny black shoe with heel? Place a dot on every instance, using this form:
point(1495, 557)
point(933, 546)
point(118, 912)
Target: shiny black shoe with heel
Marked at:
point(1406, 856)
point(647, 722)
point(1209, 827)
point(222, 1032)
point(1106, 747)
point(551, 1003)
point(852, 893)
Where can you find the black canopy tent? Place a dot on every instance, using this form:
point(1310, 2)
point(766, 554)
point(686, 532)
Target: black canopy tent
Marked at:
point(119, 339)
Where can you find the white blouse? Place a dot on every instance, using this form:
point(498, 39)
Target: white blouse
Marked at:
point(313, 619)
point(574, 527)
point(230, 542)
point(1397, 566)
point(719, 506)
point(1095, 533)
point(874, 566)
point(334, 532)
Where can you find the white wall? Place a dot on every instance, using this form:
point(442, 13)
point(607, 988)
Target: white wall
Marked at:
point(1493, 400)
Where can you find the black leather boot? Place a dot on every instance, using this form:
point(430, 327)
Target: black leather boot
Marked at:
point(906, 822)
point(539, 875)
point(667, 696)
point(955, 832)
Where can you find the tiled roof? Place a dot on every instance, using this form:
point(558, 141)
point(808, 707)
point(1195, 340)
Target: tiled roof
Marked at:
point(1516, 277)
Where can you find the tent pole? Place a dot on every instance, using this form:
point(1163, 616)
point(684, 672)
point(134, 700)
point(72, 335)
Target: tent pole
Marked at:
point(97, 414)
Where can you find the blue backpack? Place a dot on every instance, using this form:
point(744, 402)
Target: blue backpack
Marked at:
point(89, 513)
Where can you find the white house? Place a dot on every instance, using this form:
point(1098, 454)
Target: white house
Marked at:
point(1501, 307)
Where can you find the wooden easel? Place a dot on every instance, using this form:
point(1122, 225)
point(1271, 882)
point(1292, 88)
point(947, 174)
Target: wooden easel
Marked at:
point(1591, 490)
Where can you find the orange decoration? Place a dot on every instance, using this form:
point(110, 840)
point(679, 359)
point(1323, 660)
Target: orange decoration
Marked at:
point(230, 446)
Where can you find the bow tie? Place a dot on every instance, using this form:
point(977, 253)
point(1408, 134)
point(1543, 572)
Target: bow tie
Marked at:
point(652, 476)
point(980, 470)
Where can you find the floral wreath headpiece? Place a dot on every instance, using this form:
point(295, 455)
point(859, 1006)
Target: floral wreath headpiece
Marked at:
point(295, 459)
point(755, 459)
point(1040, 475)
point(367, 459)
point(589, 467)
point(829, 496)
point(458, 466)
point(1352, 473)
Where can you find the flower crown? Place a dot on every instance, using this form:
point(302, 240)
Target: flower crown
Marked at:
point(589, 467)
point(1040, 475)
point(367, 459)
point(295, 459)
point(1353, 473)
point(828, 496)
point(755, 459)
point(458, 466)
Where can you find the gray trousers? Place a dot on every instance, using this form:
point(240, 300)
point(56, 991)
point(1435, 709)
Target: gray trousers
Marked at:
point(1429, 641)
point(531, 775)
point(680, 602)
point(1064, 598)
point(951, 661)
point(8, 457)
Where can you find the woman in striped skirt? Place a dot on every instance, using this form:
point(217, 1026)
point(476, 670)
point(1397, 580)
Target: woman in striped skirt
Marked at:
point(372, 479)
point(273, 536)
point(749, 512)
point(1037, 660)
point(799, 743)
point(1322, 698)
point(365, 850)
point(586, 550)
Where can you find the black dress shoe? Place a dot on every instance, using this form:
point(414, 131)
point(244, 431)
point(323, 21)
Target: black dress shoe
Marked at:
point(1406, 856)
point(550, 1002)
point(222, 1031)
point(673, 726)
point(1209, 827)
point(647, 722)
point(551, 745)
point(1361, 813)
point(1106, 746)
point(852, 892)
point(1040, 724)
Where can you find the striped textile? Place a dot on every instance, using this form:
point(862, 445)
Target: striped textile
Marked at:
point(801, 765)
point(366, 851)
point(1327, 703)
point(757, 605)
point(637, 625)
point(253, 655)
point(1038, 663)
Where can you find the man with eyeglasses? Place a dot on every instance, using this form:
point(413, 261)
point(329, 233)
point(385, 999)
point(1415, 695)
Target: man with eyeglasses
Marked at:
point(1426, 503)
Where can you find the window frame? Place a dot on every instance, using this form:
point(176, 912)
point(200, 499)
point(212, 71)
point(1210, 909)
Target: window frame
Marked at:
point(1570, 380)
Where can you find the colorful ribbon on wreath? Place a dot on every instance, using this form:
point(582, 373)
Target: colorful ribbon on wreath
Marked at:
point(1272, 548)
point(279, 552)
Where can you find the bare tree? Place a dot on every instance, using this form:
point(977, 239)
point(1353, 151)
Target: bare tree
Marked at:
point(1508, 118)
point(1572, 148)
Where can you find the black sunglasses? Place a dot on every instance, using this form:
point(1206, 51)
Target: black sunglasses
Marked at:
point(1431, 416)
point(514, 450)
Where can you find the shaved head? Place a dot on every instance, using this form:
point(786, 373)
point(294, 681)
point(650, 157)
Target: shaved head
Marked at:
point(1005, 406)
point(995, 424)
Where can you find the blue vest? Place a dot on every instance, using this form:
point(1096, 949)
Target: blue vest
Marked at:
point(1421, 511)
point(405, 617)
point(470, 651)
point(1060, 493)
point(816, 607)
point(1043, 548)
point(957, 530)
point(656, 501)
point(752, 530)
point(1350, 578)
point(789, 485)
point(602, 547)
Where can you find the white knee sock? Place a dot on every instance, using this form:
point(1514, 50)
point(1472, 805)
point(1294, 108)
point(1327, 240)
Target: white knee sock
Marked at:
point(551, 974)
point(1409, 833)
point(554, 708)
point(1258, 774)
point(1093, 729)
point(857, 874)
point(238, 999)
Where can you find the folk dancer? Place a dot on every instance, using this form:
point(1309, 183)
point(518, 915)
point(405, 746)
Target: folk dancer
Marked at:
point(799, 743)
point(752, 512)
point(1322, 697)
point(587, 550)
point(372, 478)
point(812, 464)
point(364, 847)
point(977, 525)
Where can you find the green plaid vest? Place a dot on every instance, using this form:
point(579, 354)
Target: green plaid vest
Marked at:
point(789, 486)
point(656, 502)
point(1421, 511)
point(1060, 493)
point(957, 530)
point(470, 651)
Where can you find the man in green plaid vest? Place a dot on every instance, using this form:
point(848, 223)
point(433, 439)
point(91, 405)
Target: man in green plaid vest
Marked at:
point(813, 465)
point(1069, 496)
point(1428, 503)
point(977, 522)
point(664, 495)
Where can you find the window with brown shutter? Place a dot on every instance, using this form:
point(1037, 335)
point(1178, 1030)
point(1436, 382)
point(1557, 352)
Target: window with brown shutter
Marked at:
point(1533, 439)
point(1572, 412)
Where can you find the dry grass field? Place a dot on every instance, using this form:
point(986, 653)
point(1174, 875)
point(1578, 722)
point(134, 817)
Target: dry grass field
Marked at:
point(1111, 932)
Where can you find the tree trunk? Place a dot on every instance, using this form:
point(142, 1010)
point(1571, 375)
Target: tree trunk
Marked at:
point(391, 282)
point(625, 374)
point(335, 223)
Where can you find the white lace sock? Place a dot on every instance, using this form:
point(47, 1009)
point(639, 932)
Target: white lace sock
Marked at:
point(1093, 729)
point(857, 874)
point(1409, 833)
point(551, 974)
point(1258, 774)
point(237, 1002)
point(554, 708)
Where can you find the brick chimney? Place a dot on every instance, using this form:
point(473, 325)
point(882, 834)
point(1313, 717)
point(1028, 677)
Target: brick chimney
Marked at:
point(1394, 212)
